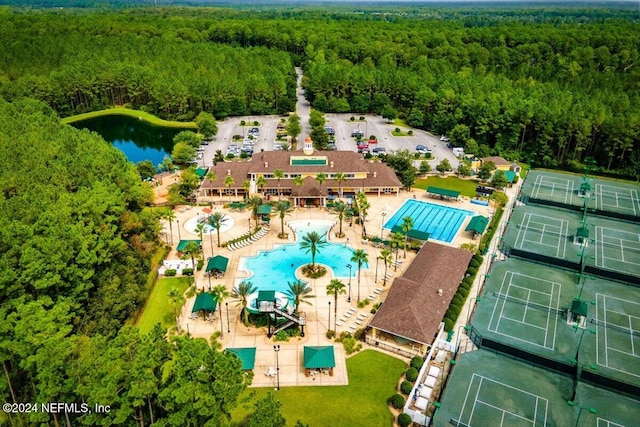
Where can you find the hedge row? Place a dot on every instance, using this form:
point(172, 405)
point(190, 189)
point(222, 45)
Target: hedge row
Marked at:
point(451, 316)
point(493, 226)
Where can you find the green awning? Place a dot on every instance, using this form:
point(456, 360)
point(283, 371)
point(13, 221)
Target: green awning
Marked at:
point(443, 192)
point(269, 296)
point(264, 209)
point(247, 355)
point(201, 172)
point(218, 263)
point(583, 232)
point(319, 357)
point(478, 224)
point(204, 301)
point(183, 244)
point(510, 175)
point(579, 307)
point(413, 233)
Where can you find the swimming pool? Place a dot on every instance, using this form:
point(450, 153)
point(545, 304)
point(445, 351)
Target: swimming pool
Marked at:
point(273, 270)
point(441, 222)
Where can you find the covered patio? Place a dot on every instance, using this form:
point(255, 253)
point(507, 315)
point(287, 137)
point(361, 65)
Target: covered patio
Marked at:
point(317, 359)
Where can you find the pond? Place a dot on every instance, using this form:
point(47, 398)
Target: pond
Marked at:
point(138, 140)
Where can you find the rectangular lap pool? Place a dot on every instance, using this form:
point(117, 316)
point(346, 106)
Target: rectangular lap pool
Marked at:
point(441, 222)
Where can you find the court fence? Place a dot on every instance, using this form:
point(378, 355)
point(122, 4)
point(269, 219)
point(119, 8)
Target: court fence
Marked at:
point(594, 378)
point(616, 275)
point(591, 211)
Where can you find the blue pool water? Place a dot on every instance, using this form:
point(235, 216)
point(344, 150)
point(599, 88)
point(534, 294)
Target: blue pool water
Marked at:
point(274, 269)
point(441, 222)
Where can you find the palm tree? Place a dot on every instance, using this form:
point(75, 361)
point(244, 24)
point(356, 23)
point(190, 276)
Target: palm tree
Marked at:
point(278, 175)
point(363, 207)
point(170, 216)
point(321, 178)
point(334, 288)
point(340, 177)
point(220, 292)
point(298, 181)
point(396, 240)
point(191, 249)
point(407, 225)
point(228, 182)
point(241, 291)
point(200, 230)
point(261, 182)
point(312, 242)
point(360, 257)
point(254, 203)
point(176, 299)
point(216, 220)
point(340, 211)
point(385, 255)
point(300, 292)
point(211, 176)
point(282, 208)
point(246, 184)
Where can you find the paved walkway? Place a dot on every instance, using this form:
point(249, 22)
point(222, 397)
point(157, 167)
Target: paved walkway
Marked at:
point(235, 334)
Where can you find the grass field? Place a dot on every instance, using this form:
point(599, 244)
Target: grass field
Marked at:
point(466, 187)
point(373, 377)
point(157, 309)
point(147, 117)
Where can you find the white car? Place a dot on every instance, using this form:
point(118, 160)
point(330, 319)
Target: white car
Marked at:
point(444, 138)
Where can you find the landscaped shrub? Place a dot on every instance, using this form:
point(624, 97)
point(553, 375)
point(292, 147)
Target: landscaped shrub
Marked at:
point(358, 334)
point(472, 271)
point(397, 130)
point(464, 292)
point(474, 263)
point(486, 239)
point(352, 119)
point(404, 420)
point(449, 323)
point(397, 401)
point(478, 257)
point(411, 374)
point(331, 334)
point(242, 123)
point(410, 133)
point(351, 345)
point(361, 117)
point(281, 336)
point(170, 273)
point(200, 264)
point(187, 271)
point(467, 281)
point(406, 387)
point(363, 303)
point(417, 362)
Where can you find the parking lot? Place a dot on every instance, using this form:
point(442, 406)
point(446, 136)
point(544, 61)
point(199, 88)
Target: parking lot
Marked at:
point(343, 127)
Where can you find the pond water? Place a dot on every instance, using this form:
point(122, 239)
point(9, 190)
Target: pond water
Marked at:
point(138, 140)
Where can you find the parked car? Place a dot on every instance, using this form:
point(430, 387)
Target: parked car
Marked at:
point(379, 150)
point(329, 130)
point(254, 131)
point(422, 149)
point(364, 151)
point(444, 138)
point(356, 133)
point(362, 145)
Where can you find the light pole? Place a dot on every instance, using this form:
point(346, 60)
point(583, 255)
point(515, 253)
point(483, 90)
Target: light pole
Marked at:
point(221, 324)
point(228, 328)
point(178, 222)
point(209, 276)
point(572, 403)
point(477, 299)
point(329, 324)
point(382, 225)
point(276, 348)
point(377, 259)
point(349, 295)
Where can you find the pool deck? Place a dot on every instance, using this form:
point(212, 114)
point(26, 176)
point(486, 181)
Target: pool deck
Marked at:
point(291, 352)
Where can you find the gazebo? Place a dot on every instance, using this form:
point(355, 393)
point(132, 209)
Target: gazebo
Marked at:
point(321, 357)
point(477, 225)
point(217, 264)
point(204, 302)
point(246, 355)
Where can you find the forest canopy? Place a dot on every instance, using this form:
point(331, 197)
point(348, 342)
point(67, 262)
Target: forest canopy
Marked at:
point(552, 90)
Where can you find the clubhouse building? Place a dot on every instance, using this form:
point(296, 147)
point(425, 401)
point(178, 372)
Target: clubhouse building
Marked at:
point(299, 181)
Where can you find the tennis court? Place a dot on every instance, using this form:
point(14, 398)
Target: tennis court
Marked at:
point(553, 187)
point(526, 309)
point(485, 404)
point(606, 423)
point(611, 197)
point(617, 249)
point(543, 234)
point(617, 323)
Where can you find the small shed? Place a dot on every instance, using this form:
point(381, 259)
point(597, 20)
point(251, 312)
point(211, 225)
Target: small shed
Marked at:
point(582, 236)
point(319, 357)
point(578, 313)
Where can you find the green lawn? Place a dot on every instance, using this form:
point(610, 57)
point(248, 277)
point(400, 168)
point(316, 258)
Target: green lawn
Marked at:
point(157, 308)
point(466, 187)
point(147, 117)
point(373, 377)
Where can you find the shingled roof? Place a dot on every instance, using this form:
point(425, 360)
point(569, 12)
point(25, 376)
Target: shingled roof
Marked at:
point(413, 309)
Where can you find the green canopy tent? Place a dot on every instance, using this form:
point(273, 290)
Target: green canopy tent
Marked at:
point(246, 355)
point(477, 225)
point(204, 302)
point(413, 233)
point(443, 192)
point(201, 172)
point(218, 264)
point(183, 244)
point(321, 357)
point(511, 176)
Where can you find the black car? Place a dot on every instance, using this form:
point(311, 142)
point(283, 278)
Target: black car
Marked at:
point(356, 133)
point(379, 150)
